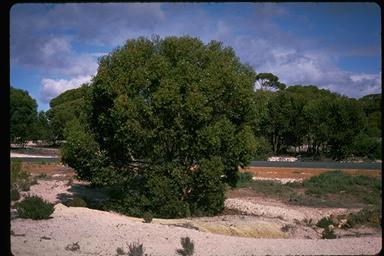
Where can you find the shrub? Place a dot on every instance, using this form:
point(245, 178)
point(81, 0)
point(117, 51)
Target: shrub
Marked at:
point(15, 195)
point(324, 222)
point(366, 216)
point(76, 202)
point(182, 105)
point(17, 174)
point(286, 228)
point(328, 234)
point(34, 207)
point(120, 251)
point(188, 247)
point(147, 216)
point(135, 249)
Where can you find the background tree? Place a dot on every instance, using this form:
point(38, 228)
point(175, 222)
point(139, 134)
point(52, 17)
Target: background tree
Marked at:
point(63, 109)
point(42, 129)
point(269, 80)
point(170, 117)
point(23, 112)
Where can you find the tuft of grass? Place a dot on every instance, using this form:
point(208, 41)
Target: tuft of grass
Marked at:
point(244, 179)
point(120, 251)
point(135, 249)
point(188, 247)
point(147, 216)
point(34, 207)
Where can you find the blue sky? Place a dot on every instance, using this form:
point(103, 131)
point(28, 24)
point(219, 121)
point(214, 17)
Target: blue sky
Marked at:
point(336, 46)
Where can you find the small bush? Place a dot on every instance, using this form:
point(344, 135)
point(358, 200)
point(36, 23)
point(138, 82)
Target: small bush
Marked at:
point(17, 174)
point(120, 251)
point(76, 202)
point(328, 234)
point(135, 249)
point(286, 228)
point(367, 216)
point(324, 222)
point(34, 207)
point(147, 216)
point(188, 247)
point(15, 195)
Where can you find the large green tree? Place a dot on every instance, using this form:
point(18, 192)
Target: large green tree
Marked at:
point(23, 113)
point(171, 120)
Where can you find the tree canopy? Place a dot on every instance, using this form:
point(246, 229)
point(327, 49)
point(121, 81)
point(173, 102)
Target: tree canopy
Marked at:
point(64, 108)
point(23, 113)
point(170, 117)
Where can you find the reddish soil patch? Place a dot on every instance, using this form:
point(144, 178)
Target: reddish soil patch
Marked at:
point(48, 169)
point(302, 173)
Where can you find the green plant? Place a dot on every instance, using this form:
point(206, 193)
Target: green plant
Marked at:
point(147, 216)
point(324, 222)
point(76, 202)
point(17, 174)
point(328, 233)
point(178, 123)
point(34, 207)
point(188, 247)
point(371, 216)
point(244, 179)
point(15, 195)
point(135, 249)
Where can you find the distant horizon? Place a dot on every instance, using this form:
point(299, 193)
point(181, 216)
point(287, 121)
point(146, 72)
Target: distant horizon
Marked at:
point(333, 46)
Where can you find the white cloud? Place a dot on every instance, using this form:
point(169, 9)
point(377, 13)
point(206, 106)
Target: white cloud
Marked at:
point(51, 88)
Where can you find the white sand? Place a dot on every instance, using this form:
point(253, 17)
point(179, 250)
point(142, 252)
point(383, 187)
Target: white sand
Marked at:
point(101, 233)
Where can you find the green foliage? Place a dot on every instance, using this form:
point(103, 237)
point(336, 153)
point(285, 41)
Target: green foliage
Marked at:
point(346, 120)
point(147, 216)
point(330, 189)
point(65, 108)
point(330, 125)
point(365, 146)
point(269, 80)
point(173, 115)
point(324, 222)
point(20, 179)
point(34, 207)
point(367, 188)
point(15, 195)
point(244, 179)
point(263, 149)
point(371, 216)
point(328, 234)
point(23, 113)
point(76, 202)
point(188, 247)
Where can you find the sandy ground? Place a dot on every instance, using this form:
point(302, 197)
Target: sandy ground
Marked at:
point(101, 233)
point(257, 232)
